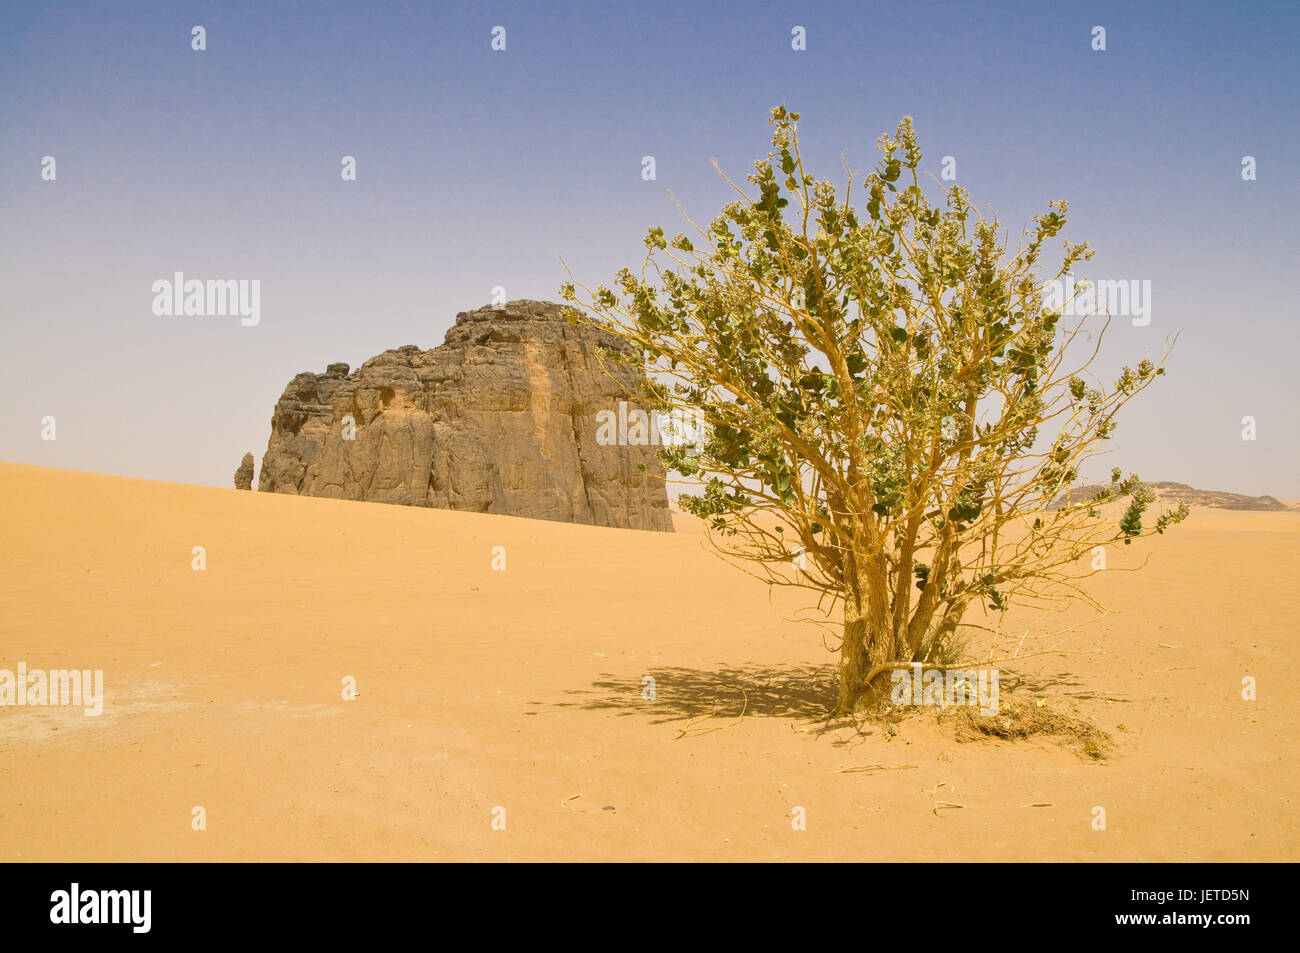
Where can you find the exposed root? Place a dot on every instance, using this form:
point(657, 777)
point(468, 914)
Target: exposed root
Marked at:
point(873, 767)
point(695, 727)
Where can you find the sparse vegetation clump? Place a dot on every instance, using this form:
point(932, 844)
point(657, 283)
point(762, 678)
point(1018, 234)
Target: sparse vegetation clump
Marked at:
point(1018, 719)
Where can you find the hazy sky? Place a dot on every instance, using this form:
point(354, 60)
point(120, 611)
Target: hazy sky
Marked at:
point(476, 168)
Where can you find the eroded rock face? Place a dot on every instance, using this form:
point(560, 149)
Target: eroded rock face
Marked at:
point(244, 475)
point(500, 419)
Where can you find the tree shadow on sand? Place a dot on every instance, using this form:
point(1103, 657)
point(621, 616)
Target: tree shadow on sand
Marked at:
point(701, 700)
point(1060, 684)
point(806, 693)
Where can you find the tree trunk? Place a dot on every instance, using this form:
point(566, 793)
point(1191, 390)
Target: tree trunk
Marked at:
point(867, 639)
point(853, 657)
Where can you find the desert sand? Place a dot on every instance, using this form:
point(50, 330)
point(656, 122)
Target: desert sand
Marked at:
point(522, 689)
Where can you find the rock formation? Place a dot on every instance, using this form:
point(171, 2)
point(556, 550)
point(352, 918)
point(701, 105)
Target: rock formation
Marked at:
point(244, 475)
point(502, 418)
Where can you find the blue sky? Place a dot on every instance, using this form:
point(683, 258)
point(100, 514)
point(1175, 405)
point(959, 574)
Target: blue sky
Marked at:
point(478, 168)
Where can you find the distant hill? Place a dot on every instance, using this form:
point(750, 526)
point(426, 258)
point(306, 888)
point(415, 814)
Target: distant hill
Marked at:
point(1182, 493)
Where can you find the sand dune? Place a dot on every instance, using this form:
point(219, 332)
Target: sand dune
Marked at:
point(521, 689)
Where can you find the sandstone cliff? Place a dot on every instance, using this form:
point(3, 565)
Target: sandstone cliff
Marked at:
point(500, 419)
